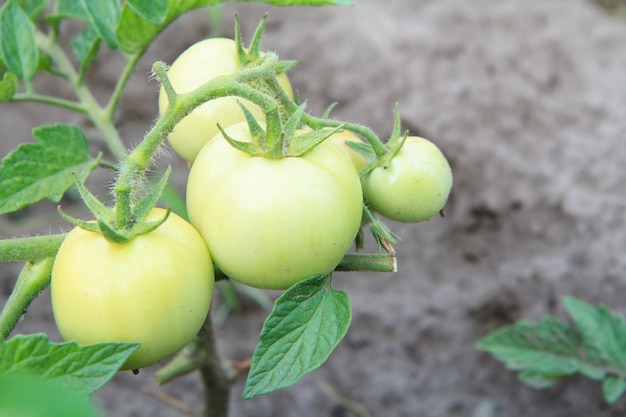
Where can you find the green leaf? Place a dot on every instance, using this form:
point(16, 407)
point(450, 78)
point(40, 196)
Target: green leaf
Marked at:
point(17, 41)
point(35, 171)
point(545, 350)
point(85, 46)
point(603, 334)
point(33, 8)
point(613, 389)
point(8, 86)
point(549, 350)
point(306, 2)
point(154, 11)
point(104, 15)
point(33, 397)
point(72, 9)
point(80, 368)
point(304, 327)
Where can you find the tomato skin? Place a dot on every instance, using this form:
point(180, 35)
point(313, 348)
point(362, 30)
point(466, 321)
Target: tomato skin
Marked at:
point(155, 289)
point(414, 186)
point(270, 223)
point(340, 138)
point(197, 65)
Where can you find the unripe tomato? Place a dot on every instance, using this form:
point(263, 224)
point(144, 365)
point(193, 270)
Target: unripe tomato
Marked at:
point(270, 223)
point(200, 63)
point(155, 289)
point(344, 136)
point(414, 186)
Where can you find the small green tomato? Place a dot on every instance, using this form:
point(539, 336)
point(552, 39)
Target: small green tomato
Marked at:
point(414, 186)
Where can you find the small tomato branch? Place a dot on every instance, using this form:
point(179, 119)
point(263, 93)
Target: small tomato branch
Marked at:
point(33, 279)
point(88, 105)
point(30, 249)
point(179, 106)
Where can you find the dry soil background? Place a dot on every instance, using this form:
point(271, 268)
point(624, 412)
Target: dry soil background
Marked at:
point(527, 99)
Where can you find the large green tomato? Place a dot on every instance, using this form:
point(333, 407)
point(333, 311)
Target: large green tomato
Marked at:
point(155, 289)
point(270, 223)
point(414, 186)
point(200, 63)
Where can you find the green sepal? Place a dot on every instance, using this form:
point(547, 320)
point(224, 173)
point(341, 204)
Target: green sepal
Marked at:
point(363, 148)
point(383, 235)
point(328, 110)
point(294, 121)
point(113, 235)
point(95, 206)
point(90, 226)
point(253, 149)
point(302, 144)
point(147, 227)
point(284, 66)
point(154, 191)
point(256, 130)
point(254, 51)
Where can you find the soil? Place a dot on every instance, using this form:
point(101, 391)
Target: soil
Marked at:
point(526, 99)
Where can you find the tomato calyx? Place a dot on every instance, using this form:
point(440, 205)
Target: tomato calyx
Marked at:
point(105, 221)
point(252, 56)
point(277, 142)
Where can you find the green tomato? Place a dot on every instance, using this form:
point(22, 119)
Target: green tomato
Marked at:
point(155, 289)
point(270, 223)
point(414, 186)
point(200, 63)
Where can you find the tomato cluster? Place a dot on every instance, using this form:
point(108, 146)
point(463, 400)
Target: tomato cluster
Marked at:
point(267, 218)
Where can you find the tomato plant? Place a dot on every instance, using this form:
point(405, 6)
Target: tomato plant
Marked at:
point(155, 289)
point(270, 223)
point(413, 186)
point(275, 197)
point(202, 62)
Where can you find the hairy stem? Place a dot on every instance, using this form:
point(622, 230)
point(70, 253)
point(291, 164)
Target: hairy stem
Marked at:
point(33, 279)
point(30, 249)
point(179, 106)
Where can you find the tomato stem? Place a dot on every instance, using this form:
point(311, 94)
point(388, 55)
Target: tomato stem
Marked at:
point(30, 249)
point(371, 262)
point(33, 279)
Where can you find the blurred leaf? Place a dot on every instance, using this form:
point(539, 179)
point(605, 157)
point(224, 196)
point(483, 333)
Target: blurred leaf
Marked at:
point(613, 389)
point(136, 29)
point(104, 15)
point(154, 11)
point(72, 9)
point(27, 396)
point(33, 8)
point(43, 169)
point(80, 368)
point(17, 41)
point(304, 327)
point(603, 334)
point(85, 47)
point(549, 350)
point(305, 2)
